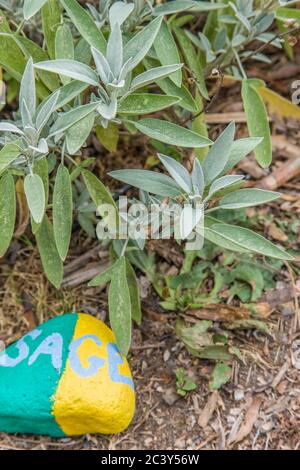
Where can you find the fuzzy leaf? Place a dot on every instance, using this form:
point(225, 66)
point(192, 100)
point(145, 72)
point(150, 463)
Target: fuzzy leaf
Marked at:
point(35, 196)
point(257, 119)
point(166, 51)
point(7, 211)
point(85, 24)
point(120, 307)
point(51, 261)
point(170, 133)
point(62, 211)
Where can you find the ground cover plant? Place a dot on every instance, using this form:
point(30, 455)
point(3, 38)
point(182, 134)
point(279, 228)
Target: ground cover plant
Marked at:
point(103, 70)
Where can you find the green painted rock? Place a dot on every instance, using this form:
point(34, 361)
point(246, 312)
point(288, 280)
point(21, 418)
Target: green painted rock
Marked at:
point(66, 378)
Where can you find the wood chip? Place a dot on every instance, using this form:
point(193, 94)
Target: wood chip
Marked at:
point(208, 410)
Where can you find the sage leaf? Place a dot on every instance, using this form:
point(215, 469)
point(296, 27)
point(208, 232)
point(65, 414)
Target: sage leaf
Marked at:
point(257, 119)
point(120, 307)
point(8, 154)
point(250, 241)
point(64, 46)
point(146, 103)
point(70, 68)
point(31, 7)
point(27, 89)
point(136, 311)
point(7, 211)
point(218, 154)
point(68, 119)
point(35, 196)
point(103, 278)
point(85, 24)
point(178, 172)
point(247, 198)
point(51, 261)
point(167, 52)
point(62, 211)
point(170, 133)
point(152, 75)
point(150, 181)
point(51, 16)
point(78, 133)
point(138, 47)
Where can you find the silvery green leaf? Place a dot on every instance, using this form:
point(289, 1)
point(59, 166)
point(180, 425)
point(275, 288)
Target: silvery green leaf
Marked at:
point(114, 51)
point(35, 195)
point(108, 110)
point(174, 7)
point(119, 12)
point(8, 154)
point(247, 240)
point(85, 24)
point(189, 219)
point(70, 68)
point(145, 103)
point(68, 119)
point(125, 70)
point(218, 154)
point(41, 148)
point(45, 111)
point(198, 178)
point(153, 74)
point(102, 65)
point(9, 127)
point(178, 172)
point(167, 52)
point(170, 133)
point(240, 149)
point(64, 46)
point(247, 198)
point(150, 181)
point(31, 7)
point(66, 94)
point(31, 133)
point(27, 89)
point(224, 182)
point(78, 133)
point(7, 211)
point(140, 44)
point(25, 115)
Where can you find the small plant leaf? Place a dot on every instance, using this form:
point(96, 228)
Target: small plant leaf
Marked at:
point(7, 155)
point(220, 376)
point(109, 137)
point(120, 306)
point(218, 155)
point(31, 7)
point(140, 44)
point(136, 311)
point(7, 211)
point(62, 211)
point(247, 198)
point(51, 261)
point(170, 133)
point(150, 181)
point(77, 134)
point(145, 103)
point(85, 24)
point(35, 196)
point(257, 119)
point(167, 52)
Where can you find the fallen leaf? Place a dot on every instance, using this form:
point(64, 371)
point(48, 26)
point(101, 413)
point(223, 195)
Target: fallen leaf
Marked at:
point(276, 233)
point(208, 410)
point(278, 105)
point(249, 421)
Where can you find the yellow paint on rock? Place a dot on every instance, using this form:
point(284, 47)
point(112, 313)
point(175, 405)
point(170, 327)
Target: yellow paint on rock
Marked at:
point(93, 404)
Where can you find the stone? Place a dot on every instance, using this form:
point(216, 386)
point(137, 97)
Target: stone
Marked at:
point(65, 378)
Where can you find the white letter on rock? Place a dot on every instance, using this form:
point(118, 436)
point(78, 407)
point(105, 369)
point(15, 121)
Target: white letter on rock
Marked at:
point(52, 345)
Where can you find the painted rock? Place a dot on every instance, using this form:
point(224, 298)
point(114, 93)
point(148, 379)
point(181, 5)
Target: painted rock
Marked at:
point(66, 378)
